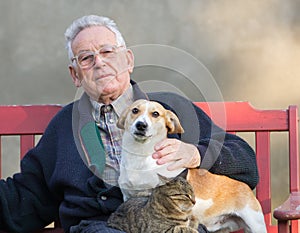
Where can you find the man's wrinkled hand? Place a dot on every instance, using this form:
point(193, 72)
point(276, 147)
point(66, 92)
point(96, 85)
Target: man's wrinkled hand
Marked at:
point(178, 153)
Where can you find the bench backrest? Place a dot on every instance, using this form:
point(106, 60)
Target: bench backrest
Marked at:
point(234, 117)
point(237, 117)
point(27, 121)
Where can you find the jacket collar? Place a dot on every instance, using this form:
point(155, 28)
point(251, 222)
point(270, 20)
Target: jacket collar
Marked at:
point(87, 133)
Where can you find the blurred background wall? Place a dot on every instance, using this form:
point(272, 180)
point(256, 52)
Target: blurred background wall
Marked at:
point(251, 49)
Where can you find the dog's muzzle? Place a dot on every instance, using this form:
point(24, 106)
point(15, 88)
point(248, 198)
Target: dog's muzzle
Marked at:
point(140, 131)
point(141, 128)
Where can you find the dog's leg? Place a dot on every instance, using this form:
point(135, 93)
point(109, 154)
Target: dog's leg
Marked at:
point(224, 224)
point(254, 220)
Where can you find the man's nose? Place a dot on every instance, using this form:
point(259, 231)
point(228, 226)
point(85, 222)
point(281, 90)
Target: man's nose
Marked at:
point(99, 60)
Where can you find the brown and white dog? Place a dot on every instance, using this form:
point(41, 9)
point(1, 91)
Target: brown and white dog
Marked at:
point(222, 204)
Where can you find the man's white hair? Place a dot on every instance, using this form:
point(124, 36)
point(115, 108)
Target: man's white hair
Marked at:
point(87, 21)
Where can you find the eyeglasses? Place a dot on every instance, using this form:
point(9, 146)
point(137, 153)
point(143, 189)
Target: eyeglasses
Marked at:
point(87, 59)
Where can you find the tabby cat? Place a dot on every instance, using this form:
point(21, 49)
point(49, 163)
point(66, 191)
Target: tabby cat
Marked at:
point(168, 209)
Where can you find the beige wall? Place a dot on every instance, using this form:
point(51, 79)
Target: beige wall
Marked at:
point(250, 47)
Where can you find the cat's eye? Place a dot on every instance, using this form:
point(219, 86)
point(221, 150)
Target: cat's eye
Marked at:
point(135, 110)
point(155, 114)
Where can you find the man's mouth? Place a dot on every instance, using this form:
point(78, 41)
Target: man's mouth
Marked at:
point(104, 76)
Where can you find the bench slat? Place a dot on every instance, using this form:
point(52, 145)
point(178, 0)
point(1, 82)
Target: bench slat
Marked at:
point(28, 119)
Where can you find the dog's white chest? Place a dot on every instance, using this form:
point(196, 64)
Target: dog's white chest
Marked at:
point(138, 175)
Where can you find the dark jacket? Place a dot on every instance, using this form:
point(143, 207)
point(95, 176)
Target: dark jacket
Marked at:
point(57, 181)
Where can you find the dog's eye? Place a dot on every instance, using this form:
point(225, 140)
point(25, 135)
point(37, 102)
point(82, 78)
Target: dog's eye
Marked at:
point(155, 114)
point(134, 110)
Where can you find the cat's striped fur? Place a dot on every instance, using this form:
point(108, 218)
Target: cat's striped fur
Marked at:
point(168, 209)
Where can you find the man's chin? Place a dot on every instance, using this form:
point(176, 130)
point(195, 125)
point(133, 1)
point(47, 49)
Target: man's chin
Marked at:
point(109, 94)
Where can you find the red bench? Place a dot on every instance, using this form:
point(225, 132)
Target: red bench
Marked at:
point(235, 117)
point(27, 121)
point(242, 117)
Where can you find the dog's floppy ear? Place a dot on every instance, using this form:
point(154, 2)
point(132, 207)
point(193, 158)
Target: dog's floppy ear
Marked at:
point(122, 118)
point(173, 123)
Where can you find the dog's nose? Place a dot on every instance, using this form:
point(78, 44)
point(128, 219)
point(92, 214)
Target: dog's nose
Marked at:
point(141, 126)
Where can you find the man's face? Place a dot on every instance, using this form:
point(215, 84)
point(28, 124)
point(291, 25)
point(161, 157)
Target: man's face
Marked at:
point(107, 78)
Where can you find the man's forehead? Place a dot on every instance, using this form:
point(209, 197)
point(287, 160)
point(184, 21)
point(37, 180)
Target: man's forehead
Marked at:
point(95, 36)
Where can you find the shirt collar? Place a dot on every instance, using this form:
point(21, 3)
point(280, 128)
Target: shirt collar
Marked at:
point(119, 105)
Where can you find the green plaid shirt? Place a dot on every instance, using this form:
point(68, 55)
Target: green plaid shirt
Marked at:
point(106, 117)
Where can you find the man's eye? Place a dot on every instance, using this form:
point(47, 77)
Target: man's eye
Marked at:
point(155, 114)
point(107, 50)
point(134, 110)
point(86, 57)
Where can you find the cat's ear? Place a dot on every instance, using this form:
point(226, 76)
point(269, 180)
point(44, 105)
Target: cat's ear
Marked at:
point(164, 179)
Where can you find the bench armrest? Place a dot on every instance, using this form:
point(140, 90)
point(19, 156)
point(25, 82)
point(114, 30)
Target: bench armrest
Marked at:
point(290, 209)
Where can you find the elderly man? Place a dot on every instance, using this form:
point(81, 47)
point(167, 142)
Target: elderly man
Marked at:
point(72, 173)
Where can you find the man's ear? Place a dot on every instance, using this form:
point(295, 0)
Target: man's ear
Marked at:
point(130, 60)
point(74, 75)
